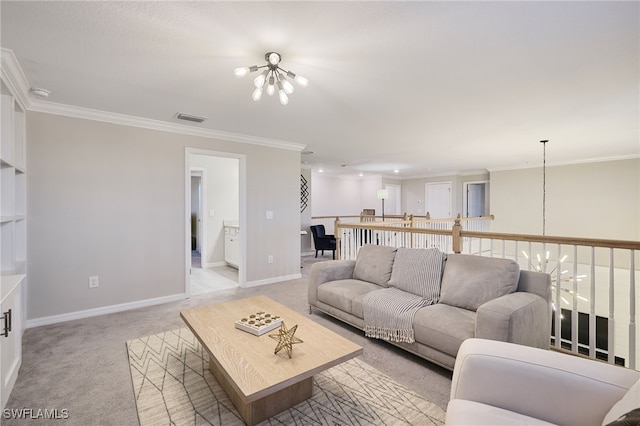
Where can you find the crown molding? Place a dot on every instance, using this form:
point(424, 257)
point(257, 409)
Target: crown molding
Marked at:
point(147, 123)
point(17, 82)
point(566, 163)
point(14, 78)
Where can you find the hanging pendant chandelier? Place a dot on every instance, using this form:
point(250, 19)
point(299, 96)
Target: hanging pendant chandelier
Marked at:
point(543, 265)
point(273, 76)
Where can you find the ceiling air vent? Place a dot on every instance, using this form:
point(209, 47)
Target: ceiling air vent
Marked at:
point(189, 117)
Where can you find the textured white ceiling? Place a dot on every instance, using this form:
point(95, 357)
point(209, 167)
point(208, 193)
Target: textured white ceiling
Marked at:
point(424, 87)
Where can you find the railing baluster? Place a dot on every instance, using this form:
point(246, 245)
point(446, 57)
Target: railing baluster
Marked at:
point(611, 329)
point(632, 311)
point(574, 308)
point(592, 306)
point(558, 310)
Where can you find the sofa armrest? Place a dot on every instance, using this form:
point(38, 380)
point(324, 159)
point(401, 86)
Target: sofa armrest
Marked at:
point(331, 270)
point(520, 317)
point(550, 386)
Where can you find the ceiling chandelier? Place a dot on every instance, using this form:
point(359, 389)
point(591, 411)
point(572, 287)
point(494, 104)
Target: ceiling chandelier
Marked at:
point(271, 77)
point(543, 264)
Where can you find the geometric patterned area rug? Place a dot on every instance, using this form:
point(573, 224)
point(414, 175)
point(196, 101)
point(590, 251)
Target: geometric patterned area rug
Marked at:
point(173, 386)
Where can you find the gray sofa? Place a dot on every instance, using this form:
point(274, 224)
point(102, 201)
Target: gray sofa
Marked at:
point(483, 297)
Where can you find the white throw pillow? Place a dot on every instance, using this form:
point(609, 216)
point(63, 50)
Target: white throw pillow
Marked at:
point(630, 401)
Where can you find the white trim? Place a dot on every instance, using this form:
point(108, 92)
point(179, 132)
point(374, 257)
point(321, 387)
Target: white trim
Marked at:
point(147, 123)
point(465, 195)
point(566, 163)
point(242, 219)
point(271, 280)
point(215, 264)
point(202, 227)
point(14, 78)
point(54, 319)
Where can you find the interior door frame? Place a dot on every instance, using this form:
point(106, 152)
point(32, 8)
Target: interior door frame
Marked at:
point(242, 212)
point(201, 173)
point(465, 188)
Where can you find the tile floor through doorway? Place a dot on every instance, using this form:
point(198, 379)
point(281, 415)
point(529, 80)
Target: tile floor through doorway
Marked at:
point(224, 277)
point(205, 280)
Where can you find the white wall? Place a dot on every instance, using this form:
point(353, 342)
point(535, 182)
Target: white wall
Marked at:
point(334, 195)
point(369, 188)
point(109, 200)
point(222, 196)
point(591, 200)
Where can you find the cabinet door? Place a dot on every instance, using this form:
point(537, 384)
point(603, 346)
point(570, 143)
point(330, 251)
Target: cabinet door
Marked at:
point(232, 249)
point(10, 346)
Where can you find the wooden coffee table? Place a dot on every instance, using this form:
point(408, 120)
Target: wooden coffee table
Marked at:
point(259, 383)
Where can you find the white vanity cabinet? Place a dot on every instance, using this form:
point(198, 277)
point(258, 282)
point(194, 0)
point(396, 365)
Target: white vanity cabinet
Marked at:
point(232, 243)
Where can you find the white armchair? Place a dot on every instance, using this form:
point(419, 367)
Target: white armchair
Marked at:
point(498, 383)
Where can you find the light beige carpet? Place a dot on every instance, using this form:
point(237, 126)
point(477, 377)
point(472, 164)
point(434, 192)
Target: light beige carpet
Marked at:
point(173, 386)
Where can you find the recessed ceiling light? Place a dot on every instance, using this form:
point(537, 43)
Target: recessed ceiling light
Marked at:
point(320, 171)
point(38, 91)
point(307, 152)
point(396, 171)
point(361, 174)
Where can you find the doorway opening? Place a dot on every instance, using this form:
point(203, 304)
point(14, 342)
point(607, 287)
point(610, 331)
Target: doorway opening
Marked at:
point(215, 188)
point(476, 199)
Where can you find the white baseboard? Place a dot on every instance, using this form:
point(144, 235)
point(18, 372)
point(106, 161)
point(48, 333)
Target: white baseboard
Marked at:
point(215, 264)
point(272, 280)
point(54, 319)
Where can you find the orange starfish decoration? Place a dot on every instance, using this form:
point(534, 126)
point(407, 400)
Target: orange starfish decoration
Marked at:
point(286, 338)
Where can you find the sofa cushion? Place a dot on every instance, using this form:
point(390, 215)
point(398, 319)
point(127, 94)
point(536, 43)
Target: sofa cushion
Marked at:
point(340, 294)
point(418, 271)
point(444, 327)
point(469, 281)
point(463, 412)
point(374, 264)
point(629, 402)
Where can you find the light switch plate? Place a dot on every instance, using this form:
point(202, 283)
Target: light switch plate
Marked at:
point(269, 214)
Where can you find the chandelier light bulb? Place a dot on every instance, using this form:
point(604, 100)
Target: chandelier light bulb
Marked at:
point(257, 94)
point(271, 88)
point(287, 86)
point(273, 58)
point(284, 99)
point(241, 72)
point(301, 81)
point(260, 79)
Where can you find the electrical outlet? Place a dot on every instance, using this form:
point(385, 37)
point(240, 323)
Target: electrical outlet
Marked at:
point(269, 259)
point(94, 282)
point(269, 214)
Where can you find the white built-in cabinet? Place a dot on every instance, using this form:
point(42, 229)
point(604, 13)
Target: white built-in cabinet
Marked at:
point(232, 242)
point(13, 237)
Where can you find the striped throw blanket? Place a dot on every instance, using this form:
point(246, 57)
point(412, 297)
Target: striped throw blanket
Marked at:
point(415, 283)
point(388, 314)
